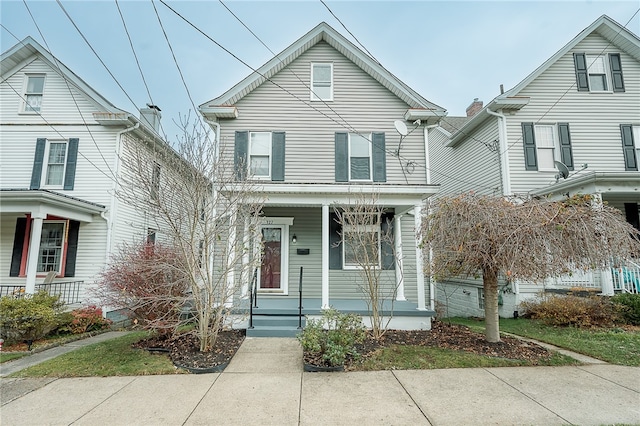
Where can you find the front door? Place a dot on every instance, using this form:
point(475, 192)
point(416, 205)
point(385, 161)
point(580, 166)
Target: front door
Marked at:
point(271, 268)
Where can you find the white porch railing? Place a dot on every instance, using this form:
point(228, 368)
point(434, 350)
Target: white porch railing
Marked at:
point(626, 278)
point(576, 279)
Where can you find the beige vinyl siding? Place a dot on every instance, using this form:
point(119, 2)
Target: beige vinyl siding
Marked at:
point(61, 102)
point(360, 103)
point(469, 166)
point(594, 117)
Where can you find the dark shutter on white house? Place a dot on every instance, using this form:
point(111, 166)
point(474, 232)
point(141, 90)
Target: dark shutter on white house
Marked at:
point(72, 249)
point(566, 155)
point(342, 157)
point(36, 173)
point(616, 72)
point(335, 242)
point(582, 76)
point(529, 142)
point(18, 244)
point(632, 215)
point(277, 156)
point(387, 230)
point(628, 147)
point(240, 155)
point(72, 159)
point(379, 153)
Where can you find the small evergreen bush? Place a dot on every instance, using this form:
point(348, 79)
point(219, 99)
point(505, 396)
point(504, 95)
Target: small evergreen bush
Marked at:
point(560, 310)
point(333, 337)
point(630, 307)
point(28, 318)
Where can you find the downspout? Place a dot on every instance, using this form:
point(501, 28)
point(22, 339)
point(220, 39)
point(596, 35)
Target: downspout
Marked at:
point(113, 206)
point(505, 175)
point(432, 284)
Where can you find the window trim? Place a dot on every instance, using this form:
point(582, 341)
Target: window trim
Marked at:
point(346, 228)
point(45, 164)
point(24, 109)
point(312, 93)
point(269, 156)
point(607, 72)
point(367, 137)
point(555, 148)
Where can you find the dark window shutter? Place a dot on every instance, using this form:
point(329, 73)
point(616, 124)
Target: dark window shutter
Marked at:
point(566, 155)
point(72, 159)
point(632, 214)
point(387, 230)
point(529, 142)
point(277, 156)
point(335, 242)
point(582, 77)
point(379, 157)
point(240, 157)
point(616, 72)
point(18, 243)
point(628, 147)
point(36, 173)
point(342, 157)
point(72, 249)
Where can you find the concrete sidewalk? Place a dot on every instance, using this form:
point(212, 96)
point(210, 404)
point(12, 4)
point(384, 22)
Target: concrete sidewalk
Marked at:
point(264, 385)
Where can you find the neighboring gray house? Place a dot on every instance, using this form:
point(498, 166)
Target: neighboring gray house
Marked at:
point(315, 128)
point(582, 108)
point(61, 145)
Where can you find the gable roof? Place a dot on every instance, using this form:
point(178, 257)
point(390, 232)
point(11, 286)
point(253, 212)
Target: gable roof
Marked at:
point(616, 34)
point(322, 32)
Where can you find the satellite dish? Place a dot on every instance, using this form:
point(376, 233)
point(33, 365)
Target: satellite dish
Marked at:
point(401, 127)
point(564, 171)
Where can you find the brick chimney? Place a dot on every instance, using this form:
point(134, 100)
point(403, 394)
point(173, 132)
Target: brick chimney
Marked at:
point(151, 116)
point(473, 109)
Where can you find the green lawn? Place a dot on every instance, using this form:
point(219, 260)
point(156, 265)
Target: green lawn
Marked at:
point(8, 356)
point(614, 345)
point(110, 358)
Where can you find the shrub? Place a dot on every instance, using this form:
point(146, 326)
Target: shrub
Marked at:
point(630, 307)
point(87, 319)
point(559, 310)
point(28, 318)
point(333, 337)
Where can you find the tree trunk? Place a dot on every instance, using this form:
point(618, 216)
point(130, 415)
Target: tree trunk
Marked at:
point(491, 318)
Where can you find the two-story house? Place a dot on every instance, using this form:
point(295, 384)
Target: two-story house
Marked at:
point(316, 127)
point(61, 146)
point(580, 110)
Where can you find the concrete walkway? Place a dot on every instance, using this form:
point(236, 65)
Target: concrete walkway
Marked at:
point(264, 385)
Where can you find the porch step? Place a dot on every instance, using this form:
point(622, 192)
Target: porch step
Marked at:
point(274, 326)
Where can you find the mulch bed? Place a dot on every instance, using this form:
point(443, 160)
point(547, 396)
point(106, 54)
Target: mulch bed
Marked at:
point(184, 349)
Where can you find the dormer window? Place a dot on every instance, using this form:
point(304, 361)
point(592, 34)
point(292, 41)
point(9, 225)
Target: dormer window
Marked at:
point(321, 82)
point(33, 93)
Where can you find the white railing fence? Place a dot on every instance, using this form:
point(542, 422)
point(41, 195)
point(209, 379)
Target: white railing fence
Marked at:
point(626, 277)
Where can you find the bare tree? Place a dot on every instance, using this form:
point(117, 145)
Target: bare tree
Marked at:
point(209, 220)
point(368, 246)
point(529, 239)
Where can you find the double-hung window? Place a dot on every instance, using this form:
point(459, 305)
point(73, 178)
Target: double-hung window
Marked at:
point(361, 240)
point(546, 146)
point(155, 181)
point(33, 93)
point(359, 157)
point(260, 155)
point(51, 246)
point(630, 146)
point(598, 72)
point(56, 155)
point(321, 82)
point(546, 143)
point(54, 164)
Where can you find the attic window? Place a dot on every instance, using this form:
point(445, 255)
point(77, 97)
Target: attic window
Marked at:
point(33, 93)
point(321, 82)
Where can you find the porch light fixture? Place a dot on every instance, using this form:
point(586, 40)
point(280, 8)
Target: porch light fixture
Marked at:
point(294, 239)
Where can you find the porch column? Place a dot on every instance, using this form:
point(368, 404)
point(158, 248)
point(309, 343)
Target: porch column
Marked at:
point(34, 250)
point(417, 216)
point(606, 281)
point(325, 256)
point(231, 257)
point(246, 273)
point(397, 239)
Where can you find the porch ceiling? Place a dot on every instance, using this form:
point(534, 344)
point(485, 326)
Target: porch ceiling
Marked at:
point(42, 202)
point(618, 185)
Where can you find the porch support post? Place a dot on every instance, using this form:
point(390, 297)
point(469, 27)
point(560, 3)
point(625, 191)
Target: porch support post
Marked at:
point(397, 240)
point(325, 256)
point(606, 281)
point(34, 249)
point(417, 216)
point(231, 257)
point(246, 273)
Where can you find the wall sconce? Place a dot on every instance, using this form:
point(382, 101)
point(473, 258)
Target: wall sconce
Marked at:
point(294, 239)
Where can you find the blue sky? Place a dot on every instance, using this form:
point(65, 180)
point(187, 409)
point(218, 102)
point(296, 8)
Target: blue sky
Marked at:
point(450, 52)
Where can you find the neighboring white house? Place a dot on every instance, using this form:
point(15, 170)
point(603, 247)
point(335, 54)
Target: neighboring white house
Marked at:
point(314, 128)
point(581, 108)
point(61, 145)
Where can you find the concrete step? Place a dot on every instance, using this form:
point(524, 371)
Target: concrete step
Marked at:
point(260, 320)
point(273, 331)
